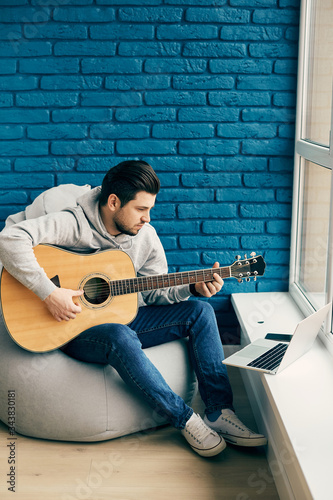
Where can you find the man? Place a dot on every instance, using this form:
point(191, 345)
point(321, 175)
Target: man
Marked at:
point(117, 215)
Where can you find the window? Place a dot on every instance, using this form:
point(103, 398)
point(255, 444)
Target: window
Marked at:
point(311, 283)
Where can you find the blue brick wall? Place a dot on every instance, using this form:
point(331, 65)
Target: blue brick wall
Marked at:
point(202, 89)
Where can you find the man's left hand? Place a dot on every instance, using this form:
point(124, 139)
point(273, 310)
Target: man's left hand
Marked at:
point(212, 287)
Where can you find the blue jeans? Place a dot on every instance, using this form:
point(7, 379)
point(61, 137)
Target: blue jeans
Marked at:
point(121, 346)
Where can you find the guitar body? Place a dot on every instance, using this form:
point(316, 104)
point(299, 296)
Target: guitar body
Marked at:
point(30, 323)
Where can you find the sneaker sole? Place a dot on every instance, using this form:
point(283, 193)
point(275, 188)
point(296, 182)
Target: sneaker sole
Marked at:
point(212, 451)
point(247, 442)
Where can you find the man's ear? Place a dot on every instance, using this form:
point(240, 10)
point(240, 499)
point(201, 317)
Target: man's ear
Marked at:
point(113, 202)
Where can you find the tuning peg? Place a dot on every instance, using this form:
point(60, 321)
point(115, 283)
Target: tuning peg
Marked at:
point(238, 257)
point(247, 279)
point(240, 280)
point(252, 254)
point(245, 256)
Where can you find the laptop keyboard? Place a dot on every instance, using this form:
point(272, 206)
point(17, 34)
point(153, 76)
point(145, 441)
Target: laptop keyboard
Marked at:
point(270, 359)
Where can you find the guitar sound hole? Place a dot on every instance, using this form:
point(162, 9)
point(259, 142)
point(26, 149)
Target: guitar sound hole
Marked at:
point(96, 290)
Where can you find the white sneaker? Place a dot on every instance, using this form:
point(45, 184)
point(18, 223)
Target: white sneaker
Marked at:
point(234, 431)
point(202, 438)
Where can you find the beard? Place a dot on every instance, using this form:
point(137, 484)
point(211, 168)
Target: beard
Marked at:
point(124, 228)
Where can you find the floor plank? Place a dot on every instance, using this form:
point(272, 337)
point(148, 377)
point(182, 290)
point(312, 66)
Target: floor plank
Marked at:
point(152, 465)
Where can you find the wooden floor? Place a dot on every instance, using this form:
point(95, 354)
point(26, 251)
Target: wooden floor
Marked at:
point(155, 465)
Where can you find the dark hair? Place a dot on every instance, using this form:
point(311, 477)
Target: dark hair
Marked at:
point(128, 178)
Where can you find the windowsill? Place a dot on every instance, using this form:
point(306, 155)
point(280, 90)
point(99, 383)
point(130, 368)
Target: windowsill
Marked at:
point(294, 408)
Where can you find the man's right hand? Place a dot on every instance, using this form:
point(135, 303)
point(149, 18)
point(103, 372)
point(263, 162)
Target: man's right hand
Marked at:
point(61, 305)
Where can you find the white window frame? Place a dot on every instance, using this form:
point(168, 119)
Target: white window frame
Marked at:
point(321, 155)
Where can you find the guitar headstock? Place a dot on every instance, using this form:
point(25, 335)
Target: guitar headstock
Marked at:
point(247, 268)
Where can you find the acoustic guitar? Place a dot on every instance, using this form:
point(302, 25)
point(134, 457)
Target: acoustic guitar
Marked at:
point(110, 294)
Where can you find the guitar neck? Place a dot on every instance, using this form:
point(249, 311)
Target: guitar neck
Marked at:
point(146, 283)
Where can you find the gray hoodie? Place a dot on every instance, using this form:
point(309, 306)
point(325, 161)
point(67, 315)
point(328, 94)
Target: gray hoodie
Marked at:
point(80, 229)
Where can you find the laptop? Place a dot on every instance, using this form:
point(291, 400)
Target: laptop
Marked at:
point(272, 357)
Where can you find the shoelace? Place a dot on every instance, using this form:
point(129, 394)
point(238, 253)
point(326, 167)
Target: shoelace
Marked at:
point(198, 430)
point(234, 420)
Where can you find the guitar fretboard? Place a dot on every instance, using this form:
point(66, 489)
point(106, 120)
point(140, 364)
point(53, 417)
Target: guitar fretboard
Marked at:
point(145, 283)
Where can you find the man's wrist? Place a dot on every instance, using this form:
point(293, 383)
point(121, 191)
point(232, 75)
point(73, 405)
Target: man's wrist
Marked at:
point(193, 290)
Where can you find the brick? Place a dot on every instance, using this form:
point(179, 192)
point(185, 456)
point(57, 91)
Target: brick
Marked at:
point(175, 98)
point(209, 147)
point(241, 130)
point(151, 14)
point(23, 148)
point(252, 33)
point(273, 285)
point(169, 66)
point(207, 114)
point(122, 32)
point(285, 99)
point(207, 211)
point(46, 99)
point(225, 15)
point(80, 178)
point(146, 147)
point(238, 164)
point(253, 3)
point(277, 256)
point(286, 67)
point(278, 227)
point(203, 82)
point(53, 131)
point(292, 34)
point(152, 49)
point(85, 48)
point(181, 131)
point(145, 114)
point(11, 132)
point(13, 197)
point(119, 131)
point(245, 194)
point(16, 181)
point(270, 147)
point(7, 210)
point(55, 31)
point(284, 195)
point(114, 99)
point(265, 241)
point(233, 227)
point(274, 50)
point(24, 116)
point(186, 32)
point(89, 147)
point(81, 115)
point(11, 32)
point(239, 98)
point(169, 180)
point(44, 164)
point(189, 195)
point(18, 82)
point(208, 241)
point(175, 226)
point(49, 65)
point(6, 100)
point(266, 83)
point(164, 211)
point(239, 66)
point(287, 131)
point(268, 115)
point(176, 164)
point(214, 49)
point(138, 82)
point(86, 15)
point(281, 164)
point(265, 211)
point(71, 82)
point(95, 164)
point(183, 258)
point(112, 65)
point(7, 66)
point(24, 15)
point(25, 49)
point(211, 180)
point(169, 242)
point(5, 166)
point(276, 16)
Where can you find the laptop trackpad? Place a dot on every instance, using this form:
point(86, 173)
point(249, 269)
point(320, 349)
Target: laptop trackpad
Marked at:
point(252, 351)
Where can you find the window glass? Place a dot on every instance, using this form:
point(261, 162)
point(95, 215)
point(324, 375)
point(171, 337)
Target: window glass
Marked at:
point(318, 90)
point(315, 214)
